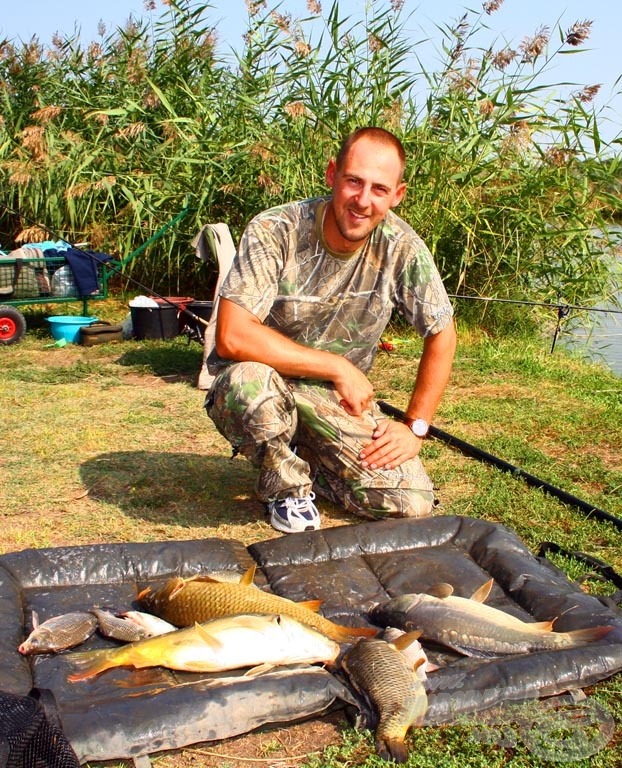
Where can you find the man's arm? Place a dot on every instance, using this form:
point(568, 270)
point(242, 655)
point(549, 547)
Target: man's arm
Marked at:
point(241, 336)
point(393, 442)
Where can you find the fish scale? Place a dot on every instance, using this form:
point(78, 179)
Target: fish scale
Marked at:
point(384, 676)
point(59, 633)
point(184, 602)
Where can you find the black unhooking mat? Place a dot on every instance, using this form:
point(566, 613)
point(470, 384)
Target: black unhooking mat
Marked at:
point(125, 713)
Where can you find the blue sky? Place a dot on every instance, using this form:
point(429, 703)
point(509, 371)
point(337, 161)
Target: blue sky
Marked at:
point(599, 61)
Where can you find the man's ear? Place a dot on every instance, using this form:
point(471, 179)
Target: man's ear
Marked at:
point(331, 170)
point(399, 194)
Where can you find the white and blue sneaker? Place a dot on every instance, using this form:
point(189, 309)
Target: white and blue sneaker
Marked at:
point(292, 515)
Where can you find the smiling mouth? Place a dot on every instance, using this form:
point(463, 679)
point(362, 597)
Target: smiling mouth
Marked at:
point(358, 215)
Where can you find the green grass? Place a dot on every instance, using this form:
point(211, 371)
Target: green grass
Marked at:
point(111, 444)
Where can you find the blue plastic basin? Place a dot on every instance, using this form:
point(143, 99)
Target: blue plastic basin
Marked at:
point(68, 326)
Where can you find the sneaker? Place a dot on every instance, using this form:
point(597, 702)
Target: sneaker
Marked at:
point(293, 514)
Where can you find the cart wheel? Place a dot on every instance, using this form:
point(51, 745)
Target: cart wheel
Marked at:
point(12, 325)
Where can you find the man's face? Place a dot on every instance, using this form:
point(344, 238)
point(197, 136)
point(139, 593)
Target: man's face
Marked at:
point(364, 188)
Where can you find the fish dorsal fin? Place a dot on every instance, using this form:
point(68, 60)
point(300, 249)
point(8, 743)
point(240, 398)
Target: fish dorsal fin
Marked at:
point(312, 605)
point(481, 593)
point(249, 577)
point(441, 590)
point(210, 640)
point(406, 640)
point(203, 577)
point(35, 619)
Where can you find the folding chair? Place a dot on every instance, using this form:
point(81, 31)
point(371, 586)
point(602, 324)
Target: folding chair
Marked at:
point(213, 240)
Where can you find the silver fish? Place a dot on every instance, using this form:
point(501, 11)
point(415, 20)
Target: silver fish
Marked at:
point(467, 626)
point(389, 682)
point(118, 627)
point(58, 633)
point(412, 650)
point(152, 625)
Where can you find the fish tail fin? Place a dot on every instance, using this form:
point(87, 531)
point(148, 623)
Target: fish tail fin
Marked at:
point(392, 748)
point(91, 663)
point(589, 635)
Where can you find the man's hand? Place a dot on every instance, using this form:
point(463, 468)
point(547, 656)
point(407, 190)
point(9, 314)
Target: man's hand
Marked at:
point(353, 387)
point(242, 336)
point(392, 444)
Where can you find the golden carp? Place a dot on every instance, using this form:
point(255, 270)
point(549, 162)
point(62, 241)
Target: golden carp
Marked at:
point(186, 601)
point(473, 629)
point(58, 633)
point(389, 682)
point(248, 640)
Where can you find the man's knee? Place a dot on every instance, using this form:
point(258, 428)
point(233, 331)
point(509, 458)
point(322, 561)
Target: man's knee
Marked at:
point(401, 502)
point(421, 504)
point(251, 402)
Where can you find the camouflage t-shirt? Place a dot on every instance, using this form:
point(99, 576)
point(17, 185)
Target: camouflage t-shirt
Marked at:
point(284, 274)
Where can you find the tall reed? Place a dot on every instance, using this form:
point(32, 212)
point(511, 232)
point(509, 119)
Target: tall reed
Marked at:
point(510, 181)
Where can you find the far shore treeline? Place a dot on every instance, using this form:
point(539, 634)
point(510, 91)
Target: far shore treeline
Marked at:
point(510, 181)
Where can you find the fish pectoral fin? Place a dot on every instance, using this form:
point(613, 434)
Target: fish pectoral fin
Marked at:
point(249, 577)
point(312, 605)
point(481, 594)
point(175, 586)
point(212, 641)
point(406, 640)
point(143, 593)
point(260, 669)
point(441, 590)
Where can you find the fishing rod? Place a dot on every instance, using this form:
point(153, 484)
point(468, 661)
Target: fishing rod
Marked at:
point(547, 305)
point(179, 306)
point(505, 466)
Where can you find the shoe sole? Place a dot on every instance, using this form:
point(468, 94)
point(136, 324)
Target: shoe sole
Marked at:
point(282, 528)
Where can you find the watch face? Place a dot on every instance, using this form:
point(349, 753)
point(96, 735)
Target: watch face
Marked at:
point(419, 427)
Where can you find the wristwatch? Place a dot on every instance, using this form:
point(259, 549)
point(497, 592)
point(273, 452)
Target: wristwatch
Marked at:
point(419, 427)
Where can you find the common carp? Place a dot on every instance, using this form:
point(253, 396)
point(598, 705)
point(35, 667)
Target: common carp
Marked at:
point(199, 598)
point(58, 633)
point(259, 641)
point(389, 682)
point(473, 629)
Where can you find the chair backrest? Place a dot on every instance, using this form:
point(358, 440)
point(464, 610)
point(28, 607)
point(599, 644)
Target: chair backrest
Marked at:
point(213, 240)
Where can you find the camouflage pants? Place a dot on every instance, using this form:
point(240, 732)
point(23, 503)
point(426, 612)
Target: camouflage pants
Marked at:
point(299, 437)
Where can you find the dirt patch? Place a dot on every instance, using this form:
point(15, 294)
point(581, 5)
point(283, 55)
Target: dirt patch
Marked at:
point(283, 747)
